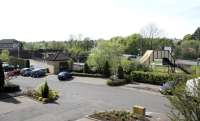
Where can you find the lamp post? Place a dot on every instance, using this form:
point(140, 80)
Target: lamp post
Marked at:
point(18, 49)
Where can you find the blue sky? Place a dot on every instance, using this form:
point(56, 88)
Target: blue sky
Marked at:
point(36, 20)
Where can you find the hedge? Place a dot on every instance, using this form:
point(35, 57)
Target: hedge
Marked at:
point(87, 75)
point(156, 78)
point(22, 63)
point(117, 82)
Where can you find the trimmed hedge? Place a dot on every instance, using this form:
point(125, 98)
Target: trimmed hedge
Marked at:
point(18, 61)
point(156, 78)
point(87, 75)
point(115, 81)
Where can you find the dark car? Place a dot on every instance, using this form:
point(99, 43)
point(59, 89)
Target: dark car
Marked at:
point(8, 67)
point(64, 75)
point(36, 73)
point(26, 72)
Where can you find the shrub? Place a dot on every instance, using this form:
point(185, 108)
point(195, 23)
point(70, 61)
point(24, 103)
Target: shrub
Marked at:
point(2, 77)
point(156, 78)
point(43, 90)
point(118, 82)
point(130, 65)
point(142, 67)
point(43, 93)
point(120, 72)
point(184, 107)
point(106, 69)
point(86, 68)
point(115, 81)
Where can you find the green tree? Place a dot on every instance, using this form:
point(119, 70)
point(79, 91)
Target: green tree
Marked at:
point(196, 34)
point(4, 55)
point(128, 65)
point(1, 76)
point(188, 49)
point(86, 68)
point(45, 90)
point(187, 37)
point(120, 72)
point(106, 69)
point(105, 51)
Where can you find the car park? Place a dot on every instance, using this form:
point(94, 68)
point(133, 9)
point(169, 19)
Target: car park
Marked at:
point(65, 75)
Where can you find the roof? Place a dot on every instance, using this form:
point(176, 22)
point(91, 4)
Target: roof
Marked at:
point(8, 41)
point(58, 57)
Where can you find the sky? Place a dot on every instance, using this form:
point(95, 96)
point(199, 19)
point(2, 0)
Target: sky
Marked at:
point(37, 20)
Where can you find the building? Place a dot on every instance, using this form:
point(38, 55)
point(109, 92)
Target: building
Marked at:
point(58, 62)
point(10, 44)
point(78, 66)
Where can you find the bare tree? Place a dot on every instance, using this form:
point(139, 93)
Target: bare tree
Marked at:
point(150, 31)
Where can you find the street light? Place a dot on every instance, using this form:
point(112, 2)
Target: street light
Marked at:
point(18, 49)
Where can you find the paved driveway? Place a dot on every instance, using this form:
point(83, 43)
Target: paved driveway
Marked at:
point(78, 97)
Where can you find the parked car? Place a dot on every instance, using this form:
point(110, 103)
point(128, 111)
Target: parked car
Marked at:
point(38, 73)
point(168, 87)
point(8, 67)
point(26, 71)
point(64, 75)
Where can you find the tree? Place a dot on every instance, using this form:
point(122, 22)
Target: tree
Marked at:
point(86, 68)
point(196, 34)
point(105, 51)
point(45, 90)
point(4, 55)
point(2, 77)
point(188, 49)
point(187, 37)
point(150, 31)
point(120, 72)
point(106, 69)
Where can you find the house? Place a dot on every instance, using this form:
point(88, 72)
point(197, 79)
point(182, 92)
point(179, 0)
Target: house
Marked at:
point(10, 44)
point(78, 66)
point(58, 62)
